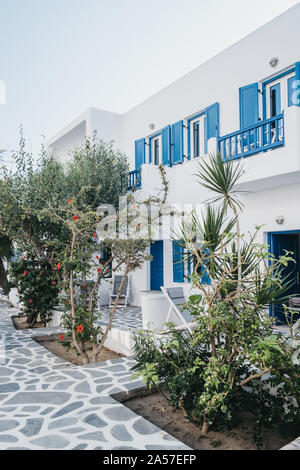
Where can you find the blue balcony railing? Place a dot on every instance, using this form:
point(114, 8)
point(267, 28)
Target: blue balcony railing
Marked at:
point(264, 135)
point(134, 179)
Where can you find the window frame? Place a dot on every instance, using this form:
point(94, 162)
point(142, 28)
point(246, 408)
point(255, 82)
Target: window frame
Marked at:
point(191, 121)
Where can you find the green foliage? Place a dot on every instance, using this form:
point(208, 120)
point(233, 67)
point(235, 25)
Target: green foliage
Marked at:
point(233, 361)
point(6, 248)
point(37, 288)
point(221, 179)
point(93, 177)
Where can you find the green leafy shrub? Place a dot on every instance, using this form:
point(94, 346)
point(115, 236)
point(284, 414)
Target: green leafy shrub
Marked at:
point(232, 361)
point(37, 288)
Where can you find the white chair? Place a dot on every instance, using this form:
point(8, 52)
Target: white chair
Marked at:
point(113, 292)
point(176, 299)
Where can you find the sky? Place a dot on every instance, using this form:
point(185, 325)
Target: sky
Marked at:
point(59, 57)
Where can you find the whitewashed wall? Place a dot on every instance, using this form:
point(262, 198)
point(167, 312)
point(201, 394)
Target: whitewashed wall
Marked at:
point(272, 177)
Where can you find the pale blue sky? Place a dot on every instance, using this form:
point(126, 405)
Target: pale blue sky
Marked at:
point(58, 57)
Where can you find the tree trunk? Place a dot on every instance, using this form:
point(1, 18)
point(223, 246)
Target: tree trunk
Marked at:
point(97, 350)
point(204, 429)
point(3, 278)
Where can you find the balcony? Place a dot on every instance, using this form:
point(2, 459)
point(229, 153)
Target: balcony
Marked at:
point(134, 179)
point(263, 136)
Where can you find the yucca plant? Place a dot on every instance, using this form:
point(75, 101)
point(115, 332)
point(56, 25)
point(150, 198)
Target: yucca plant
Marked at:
point(222, 179)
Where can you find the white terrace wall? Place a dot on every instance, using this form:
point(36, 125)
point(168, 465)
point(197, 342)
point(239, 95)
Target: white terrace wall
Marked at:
point(106, 124)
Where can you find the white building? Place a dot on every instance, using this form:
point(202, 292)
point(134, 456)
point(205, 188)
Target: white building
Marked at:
point(244, 102)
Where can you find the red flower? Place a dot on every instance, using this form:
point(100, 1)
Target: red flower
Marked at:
point(25, 273)
point(79, 329)
point(54, 283)
point(84, 286)
point(58, 266)
point(71, 315)
point(97, 257)
point(61, 337)
point(95, 235)
point(99, 270)
point(75, 218)
point(30, 301)
point(70, 201)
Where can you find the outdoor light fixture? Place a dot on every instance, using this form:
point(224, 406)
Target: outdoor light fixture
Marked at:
point(274, 61)
point(152, 126)
point(280, 220)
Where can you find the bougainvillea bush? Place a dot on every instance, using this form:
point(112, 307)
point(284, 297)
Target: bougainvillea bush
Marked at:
point(37, 288)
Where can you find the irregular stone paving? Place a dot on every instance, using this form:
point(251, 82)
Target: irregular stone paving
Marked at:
point(293, 445)
point(128, 319)
point(46, 403)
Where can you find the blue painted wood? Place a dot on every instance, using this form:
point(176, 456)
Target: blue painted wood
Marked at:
point(263, 136)
point(139, 153)
point(134, 179)
point(177, 142)
point(248, 105)
point(166, 145)
point(157, 265)
point(178, 262)
point(211, 123)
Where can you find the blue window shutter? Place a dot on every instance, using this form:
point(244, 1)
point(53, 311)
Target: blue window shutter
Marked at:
point(211, 123)
point(166, 145)
point(177, 141)
point(205, 279)
point(248, 105)
point(178, 264)
point(139, 153)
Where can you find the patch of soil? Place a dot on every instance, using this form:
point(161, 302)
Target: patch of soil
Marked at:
point(53, 344)
point(20, 323)
point(155, 409)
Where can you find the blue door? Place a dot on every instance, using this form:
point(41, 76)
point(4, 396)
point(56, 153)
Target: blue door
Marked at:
point(280, 243)
point(157, 265)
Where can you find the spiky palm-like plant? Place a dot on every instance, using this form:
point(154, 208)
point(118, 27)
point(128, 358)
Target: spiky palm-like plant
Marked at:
point(222, 178)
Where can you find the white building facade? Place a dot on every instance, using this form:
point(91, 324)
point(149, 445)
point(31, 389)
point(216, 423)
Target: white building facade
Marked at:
point(245, 103)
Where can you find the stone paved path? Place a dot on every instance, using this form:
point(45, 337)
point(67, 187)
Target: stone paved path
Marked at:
point(127, 319)
point(46, 403)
